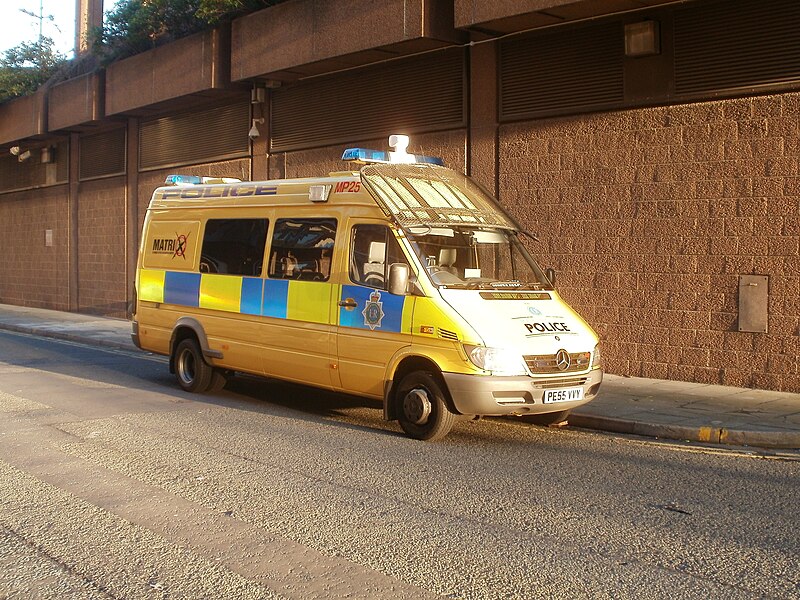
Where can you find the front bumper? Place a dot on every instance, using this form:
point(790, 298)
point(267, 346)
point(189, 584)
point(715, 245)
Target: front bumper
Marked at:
point(135, 334)
point(493, 396)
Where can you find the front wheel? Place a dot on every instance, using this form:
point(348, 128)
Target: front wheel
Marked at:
point(421, 407)
point(193, 373)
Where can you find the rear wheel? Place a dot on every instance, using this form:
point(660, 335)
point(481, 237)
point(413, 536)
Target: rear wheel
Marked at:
point(422, 408)
point(193, 373)
point(548, 418)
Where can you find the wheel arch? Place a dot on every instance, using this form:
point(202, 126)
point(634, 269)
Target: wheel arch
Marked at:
point(406, 365)
point(187, 327)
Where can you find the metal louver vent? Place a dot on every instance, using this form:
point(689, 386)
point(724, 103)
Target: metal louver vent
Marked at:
point(196, 137)
point(726, 45)
point(448, 335)
point(423, 93)
point(102, 154)
point(553, 73)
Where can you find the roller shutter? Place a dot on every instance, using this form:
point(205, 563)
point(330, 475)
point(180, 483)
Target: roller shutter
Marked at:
point(420, 94)
point(560, 71)
point(195, 137)
point(723, 46)
point(102, 154)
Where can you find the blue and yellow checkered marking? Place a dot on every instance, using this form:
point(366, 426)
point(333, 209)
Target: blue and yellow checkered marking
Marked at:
point(182, 288)
point(252, 296)
point(278, 298)
point(275, 302)
point(391, 305)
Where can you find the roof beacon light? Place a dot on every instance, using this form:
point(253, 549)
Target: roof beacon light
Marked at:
point(400, 145)
point(398, 156)
point(185, 180)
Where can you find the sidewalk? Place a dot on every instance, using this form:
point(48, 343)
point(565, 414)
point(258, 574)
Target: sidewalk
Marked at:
point(649, 407)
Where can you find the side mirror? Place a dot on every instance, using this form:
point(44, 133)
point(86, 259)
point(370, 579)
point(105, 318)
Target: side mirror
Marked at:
point(550, 273)
point(398, 278)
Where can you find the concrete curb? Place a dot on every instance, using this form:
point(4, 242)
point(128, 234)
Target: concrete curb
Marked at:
point(712, 435)
point(68, 337)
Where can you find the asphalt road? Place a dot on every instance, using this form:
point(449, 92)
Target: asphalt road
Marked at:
point(116, 484)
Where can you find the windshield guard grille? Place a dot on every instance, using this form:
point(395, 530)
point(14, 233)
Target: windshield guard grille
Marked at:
point(432, 196)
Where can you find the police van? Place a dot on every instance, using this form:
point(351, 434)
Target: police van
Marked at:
point(402, 281)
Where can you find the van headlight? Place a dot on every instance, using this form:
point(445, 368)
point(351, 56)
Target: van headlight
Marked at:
point(597, 359)
point(500, 361)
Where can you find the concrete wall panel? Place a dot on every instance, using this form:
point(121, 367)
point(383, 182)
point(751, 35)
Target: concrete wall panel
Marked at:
point(32, 273)
point(101, 247)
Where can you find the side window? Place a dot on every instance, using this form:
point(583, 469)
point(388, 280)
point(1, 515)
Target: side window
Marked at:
point(302, 249)
point(373, 249)
point(234, 246)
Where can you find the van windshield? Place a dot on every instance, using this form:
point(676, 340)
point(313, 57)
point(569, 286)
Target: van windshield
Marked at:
point(460, 233)
point(476, 258)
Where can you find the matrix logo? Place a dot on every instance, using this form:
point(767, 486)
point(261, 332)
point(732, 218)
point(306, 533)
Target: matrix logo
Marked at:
point(174, 246)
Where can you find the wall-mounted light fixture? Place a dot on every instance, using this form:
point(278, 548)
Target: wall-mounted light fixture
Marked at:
point(14, 150)
point(642, 39)
point(258, 95)
point(24, 156)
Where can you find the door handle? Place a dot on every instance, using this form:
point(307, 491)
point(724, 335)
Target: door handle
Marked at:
point(348, 303)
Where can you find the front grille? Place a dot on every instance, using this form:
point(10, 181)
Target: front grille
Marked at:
point(550, 384)
point(546, 364)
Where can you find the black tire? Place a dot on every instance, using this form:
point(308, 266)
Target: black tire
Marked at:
point(548, 418)
point(193, 373)
point(422, 408)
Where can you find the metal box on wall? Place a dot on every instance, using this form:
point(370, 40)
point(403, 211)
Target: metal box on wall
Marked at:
point(753, 303)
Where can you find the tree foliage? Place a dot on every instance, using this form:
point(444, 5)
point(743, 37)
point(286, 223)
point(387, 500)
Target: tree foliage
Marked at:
point(24, 68)
point(134, 26)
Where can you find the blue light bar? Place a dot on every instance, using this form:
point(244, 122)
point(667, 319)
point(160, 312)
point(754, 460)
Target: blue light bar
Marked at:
point(428, 160)
point(364, 155)
point(183, 180)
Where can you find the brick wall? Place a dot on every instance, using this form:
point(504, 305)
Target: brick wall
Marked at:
point(32, 274)
point(101, 247)
point(649, 217)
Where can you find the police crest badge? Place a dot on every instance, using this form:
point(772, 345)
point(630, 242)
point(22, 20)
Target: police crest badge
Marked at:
point(373, 311)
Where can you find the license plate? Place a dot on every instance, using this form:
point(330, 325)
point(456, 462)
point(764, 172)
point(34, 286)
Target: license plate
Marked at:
point(564, 395)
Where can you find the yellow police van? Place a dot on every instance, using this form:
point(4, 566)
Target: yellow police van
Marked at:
point(403, 280)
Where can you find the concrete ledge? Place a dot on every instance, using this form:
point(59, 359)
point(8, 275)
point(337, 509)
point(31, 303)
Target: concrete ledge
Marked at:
point(713, 435)
point(191, 65)
point(77, 101)
point(507, 16)
point(305, 37)
point(24, 117)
